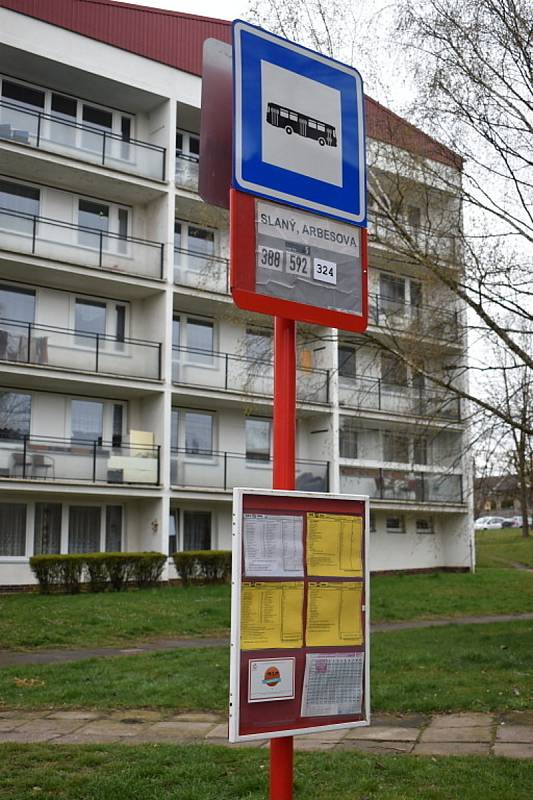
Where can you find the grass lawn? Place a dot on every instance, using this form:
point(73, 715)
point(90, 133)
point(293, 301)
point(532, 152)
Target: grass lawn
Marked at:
point(477, 667)
point(165, 772)
point(503, 548)
point(32, 621)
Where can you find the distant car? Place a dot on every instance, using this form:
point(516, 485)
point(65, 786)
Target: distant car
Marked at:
point(517, 521)
point(490, 523)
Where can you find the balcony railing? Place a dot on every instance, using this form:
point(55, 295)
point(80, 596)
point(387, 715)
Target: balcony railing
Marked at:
point(223, 470)
point(46, 345)
point(224, 371)
point(79, 141)
point(372, 394)
point(421, 321)
point(75, 244)
point(68, 460)
point(418, 487)
point(200, 271)
point(442, 245)
point(187, 167)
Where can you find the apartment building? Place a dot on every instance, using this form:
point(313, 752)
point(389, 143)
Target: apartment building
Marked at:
point(133, 394)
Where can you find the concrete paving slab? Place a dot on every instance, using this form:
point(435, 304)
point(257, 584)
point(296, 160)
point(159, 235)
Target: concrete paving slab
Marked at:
point(9, 714)
point(11, 724)
point(375, 747)
point(468, 720)
point(303, 744)
point(197, 717)
point(218, 732)
point(182, 730)
point(515, 733)
point(222, 742)
point(134, 715)
point(323, 736)
point(400, 720)
point(451, 749)
point(438, 734)
point(516, 718)
point(75, 715)
point(27, 737)
point(105, 727)
point(383, 733)
point(51, 726)
point(87, 738)
point(513, 750)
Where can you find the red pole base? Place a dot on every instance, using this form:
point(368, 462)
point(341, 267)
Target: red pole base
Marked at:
point(281, 769)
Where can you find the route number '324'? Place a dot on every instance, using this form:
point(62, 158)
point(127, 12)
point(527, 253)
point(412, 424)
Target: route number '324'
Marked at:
point(325, 271)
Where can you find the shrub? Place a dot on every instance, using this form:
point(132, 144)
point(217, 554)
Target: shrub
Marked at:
point(101, 570)
point(208, 566)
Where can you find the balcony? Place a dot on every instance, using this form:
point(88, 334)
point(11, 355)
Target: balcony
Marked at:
point(432, 242)
point(397, 485)
point(74, 244)
point(61, 348)
point(82, 142)
point(200, 271)
point(372, 394)
point(224, 371)
point(67, 461)
point(420, 321)
point(222, 470)
point(187, 169)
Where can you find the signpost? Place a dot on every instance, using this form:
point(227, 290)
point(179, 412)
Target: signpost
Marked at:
point(298, 252)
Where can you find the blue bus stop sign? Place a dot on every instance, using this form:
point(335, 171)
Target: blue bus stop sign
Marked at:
point(298, 126)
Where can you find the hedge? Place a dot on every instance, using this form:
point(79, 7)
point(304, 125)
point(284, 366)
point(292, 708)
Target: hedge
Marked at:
point(206, 566)
point(101, 571)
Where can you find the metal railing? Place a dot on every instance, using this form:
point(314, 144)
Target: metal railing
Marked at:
point(81, 245)
point(187, 170)
point(225, 371)
point(417, 487)
point(214, 469)
point(81, 141)
point(441, 244)
point(423, 320)
point(200, 271)
point(373, 394)
point(30, 457)
point(79, 351)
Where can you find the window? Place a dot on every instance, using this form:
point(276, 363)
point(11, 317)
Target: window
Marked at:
point(348, 437)
point(396, 447)
point(90, 317)
point(393, 371)
point(258, 345)
point(188, 145)
point(97, 118)
point(424, 525)
point(196, 530)
point(25, 96)
point(201, 241)
point(258, 432)
point(395, 524)
point(118, 425)
point(93, 221)
point(19, 204)
point(347, 361)
point(17, 304)
point(391, 293)
point(372, 522)
point(12, 529)
point(420, 450)
point(84, 529)
point(15, 415)
point(47, 529)
point(113, 529)
point(415, 294)
point(414, 216)
point(173, 531)
point(200, 341)
point(198, 433)
point(86, 421)
point(64, 110)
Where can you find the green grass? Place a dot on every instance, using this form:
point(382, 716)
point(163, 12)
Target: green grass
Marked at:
point(503, 548)
point(471, 667)
point(195, 772)
point(32, 621)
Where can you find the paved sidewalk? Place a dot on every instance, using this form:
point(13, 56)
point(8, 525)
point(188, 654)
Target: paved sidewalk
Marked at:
point(12, 658)
point(509, 735)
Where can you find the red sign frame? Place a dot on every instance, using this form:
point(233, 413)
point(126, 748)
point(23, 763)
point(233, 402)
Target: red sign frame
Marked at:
point(242, 275)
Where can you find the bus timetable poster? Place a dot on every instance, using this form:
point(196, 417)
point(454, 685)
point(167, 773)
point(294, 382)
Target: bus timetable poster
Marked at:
point(299, 614)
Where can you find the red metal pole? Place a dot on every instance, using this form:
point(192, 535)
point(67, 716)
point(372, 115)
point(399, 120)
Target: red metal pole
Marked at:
point(283, 477)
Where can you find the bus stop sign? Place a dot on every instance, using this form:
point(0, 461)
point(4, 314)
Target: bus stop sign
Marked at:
point(298, 126)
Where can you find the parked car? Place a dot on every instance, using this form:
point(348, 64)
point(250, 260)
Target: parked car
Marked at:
point(490, 523)
point(517, 521)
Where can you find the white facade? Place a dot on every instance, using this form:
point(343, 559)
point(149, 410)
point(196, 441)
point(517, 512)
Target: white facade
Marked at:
point(133, 395)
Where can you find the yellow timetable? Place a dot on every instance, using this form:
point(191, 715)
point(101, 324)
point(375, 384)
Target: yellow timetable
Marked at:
point(334, 614)
point(272, 615)
point(334, 545)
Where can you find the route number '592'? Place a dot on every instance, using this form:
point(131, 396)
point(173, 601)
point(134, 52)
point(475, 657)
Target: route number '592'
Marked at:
point(325, 271)
point(298, 263)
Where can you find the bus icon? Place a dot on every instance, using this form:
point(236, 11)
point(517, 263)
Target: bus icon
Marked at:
point(294, 122)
